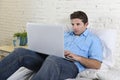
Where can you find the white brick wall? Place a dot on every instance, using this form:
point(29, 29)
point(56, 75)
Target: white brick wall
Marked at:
point(14, 14)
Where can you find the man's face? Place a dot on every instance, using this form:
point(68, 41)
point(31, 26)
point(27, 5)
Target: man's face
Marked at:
point(78, 26)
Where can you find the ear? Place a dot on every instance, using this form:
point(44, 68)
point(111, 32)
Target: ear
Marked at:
point(86, 24)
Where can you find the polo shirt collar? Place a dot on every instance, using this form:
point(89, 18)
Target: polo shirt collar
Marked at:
point(86, 32)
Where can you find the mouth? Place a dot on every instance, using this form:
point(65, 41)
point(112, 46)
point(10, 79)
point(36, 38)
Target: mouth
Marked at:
point(75, 31)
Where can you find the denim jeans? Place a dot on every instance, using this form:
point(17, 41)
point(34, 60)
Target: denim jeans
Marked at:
point(46, 67)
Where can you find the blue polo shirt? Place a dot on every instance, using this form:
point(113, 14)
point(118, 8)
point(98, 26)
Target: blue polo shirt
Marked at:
point(86, 45)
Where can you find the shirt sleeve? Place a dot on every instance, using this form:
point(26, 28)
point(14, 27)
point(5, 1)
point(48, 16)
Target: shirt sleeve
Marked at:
point(96, 50)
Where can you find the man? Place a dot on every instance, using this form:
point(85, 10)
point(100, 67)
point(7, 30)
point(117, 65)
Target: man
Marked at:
point(82, 47)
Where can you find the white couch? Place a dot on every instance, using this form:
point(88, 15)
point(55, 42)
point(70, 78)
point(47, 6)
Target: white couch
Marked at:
point(107, 71)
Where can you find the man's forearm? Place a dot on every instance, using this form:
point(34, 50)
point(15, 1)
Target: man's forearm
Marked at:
point(89, 63)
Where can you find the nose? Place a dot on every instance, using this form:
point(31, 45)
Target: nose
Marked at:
point(74, 26)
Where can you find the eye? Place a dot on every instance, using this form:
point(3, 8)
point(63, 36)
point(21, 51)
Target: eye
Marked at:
point(72, 24)
point(78, 24)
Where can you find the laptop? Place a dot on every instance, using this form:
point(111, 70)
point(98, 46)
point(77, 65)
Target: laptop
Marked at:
point(46, 39)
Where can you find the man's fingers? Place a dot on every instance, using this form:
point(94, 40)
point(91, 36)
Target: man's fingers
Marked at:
point(66, 53)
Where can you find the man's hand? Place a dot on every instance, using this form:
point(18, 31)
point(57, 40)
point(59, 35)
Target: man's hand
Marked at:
point(70, 55)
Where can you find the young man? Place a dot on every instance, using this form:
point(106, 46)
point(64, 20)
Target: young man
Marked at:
point(81, 45)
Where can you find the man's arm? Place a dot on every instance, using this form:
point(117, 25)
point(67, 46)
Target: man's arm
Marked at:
point(89, 63)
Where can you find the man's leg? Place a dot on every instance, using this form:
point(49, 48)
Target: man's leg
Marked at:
point(56, 68)
point(20, 57)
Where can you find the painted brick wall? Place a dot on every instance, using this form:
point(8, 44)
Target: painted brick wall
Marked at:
point(14, 14)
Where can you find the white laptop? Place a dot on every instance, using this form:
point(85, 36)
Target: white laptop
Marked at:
point(46, 39)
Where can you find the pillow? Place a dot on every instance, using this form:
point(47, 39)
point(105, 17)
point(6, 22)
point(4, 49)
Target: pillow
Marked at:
point(21, 74)
point(88, 73)
point(109, 75)
point(108, 39)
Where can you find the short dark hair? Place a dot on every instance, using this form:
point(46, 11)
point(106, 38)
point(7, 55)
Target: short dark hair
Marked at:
point(81, 15)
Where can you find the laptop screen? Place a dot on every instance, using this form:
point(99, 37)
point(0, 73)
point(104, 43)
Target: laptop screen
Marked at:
point(47, 39)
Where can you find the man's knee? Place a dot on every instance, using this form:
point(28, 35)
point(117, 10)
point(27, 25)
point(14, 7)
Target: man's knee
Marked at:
point(53, 63)
point(53, 60)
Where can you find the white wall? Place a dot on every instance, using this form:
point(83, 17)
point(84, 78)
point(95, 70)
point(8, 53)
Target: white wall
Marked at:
point(14, 14)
